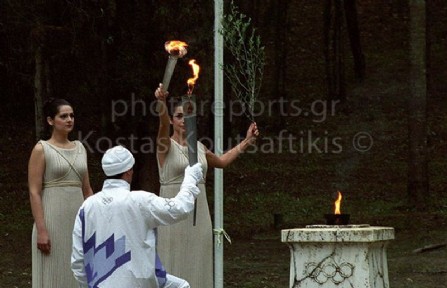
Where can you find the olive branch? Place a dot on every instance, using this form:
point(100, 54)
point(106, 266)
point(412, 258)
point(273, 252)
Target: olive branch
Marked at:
point(246, 70)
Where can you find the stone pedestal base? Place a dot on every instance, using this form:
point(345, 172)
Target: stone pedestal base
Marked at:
point(338, 256)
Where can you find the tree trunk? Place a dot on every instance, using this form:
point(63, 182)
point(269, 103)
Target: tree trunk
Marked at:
point(354, 38)
point(333, 50)
point(41, 39)
point(339, 71)
point(104, 85)
point(418, 186)
point(38, 92)
point(279, 87)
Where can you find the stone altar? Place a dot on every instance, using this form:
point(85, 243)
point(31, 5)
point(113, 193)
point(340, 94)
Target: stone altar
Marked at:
point(331, 256)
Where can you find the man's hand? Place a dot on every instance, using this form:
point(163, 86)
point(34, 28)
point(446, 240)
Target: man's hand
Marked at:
point(194, 174)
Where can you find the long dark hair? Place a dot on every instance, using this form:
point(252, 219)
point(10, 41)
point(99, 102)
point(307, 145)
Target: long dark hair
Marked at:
point(50, 109)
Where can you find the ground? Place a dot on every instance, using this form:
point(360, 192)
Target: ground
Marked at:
point(262, 261)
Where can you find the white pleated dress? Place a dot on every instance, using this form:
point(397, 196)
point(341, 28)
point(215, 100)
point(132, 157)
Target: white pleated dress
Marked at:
point(61, 198)
point(186, 250)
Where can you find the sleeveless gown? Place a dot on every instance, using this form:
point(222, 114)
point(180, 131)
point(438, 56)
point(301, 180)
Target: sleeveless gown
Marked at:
point(186, 250)
point(61, 198)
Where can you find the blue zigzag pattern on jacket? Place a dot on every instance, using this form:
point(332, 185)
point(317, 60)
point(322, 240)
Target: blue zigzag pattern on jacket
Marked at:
point(101, 261)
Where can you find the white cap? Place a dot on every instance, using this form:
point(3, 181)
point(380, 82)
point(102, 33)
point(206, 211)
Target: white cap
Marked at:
point(117, 160)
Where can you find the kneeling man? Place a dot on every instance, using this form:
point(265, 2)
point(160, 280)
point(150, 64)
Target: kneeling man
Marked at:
point(115, 236)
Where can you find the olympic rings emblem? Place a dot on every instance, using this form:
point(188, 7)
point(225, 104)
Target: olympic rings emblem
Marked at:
point(323, 272)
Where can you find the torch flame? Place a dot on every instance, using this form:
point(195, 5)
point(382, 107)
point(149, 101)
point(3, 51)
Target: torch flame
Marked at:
point(192, 81)
point(176, 48)
point(337, 203)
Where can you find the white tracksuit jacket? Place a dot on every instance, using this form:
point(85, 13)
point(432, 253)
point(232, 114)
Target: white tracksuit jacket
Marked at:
point(114, 234)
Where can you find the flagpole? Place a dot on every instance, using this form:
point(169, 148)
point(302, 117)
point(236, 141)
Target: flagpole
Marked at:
point(218, 144)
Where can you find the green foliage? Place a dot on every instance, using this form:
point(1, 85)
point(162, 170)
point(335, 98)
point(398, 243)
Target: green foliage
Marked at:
point(246, 70)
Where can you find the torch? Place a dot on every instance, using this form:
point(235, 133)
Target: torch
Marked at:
point(176, 49)
point(190, 113)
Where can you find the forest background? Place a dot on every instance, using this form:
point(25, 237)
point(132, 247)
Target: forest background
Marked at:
point(328, 122)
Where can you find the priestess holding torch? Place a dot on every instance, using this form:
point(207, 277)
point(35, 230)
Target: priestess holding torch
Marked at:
point(186, 248)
